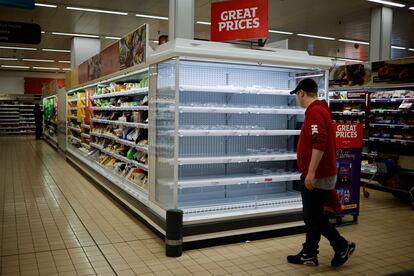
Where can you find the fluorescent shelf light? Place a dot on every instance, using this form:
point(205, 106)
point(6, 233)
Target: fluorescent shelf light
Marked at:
point(55, 50)
point(38, 60)
point(45, 5)
point(398, 47)
point(64, 61)
point(411, 49)
point(113, 37)
point(309, 76)
point(66, 69)
point(73, 34)
point(350, 59)
point(389, 3)
point(354, 41)
point(317, 36)
point(151, 16)
point(280, 32)
point(96, 10)
point(18, 48)
point(203, 22)
point(15, 66)
point(45, 68)
point(8, 58)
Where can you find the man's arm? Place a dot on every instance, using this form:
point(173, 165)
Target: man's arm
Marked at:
point(314, 163)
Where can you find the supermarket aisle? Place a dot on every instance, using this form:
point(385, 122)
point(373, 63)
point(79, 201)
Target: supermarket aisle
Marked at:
point(56, 223)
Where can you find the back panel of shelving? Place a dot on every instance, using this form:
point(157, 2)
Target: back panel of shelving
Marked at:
point(212, 74)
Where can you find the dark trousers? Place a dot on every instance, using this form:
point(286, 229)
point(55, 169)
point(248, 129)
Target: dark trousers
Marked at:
point(317, 222)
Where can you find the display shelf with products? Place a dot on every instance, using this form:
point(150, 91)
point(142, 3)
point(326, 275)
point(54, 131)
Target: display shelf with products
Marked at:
point(50, 119)
point(17, 114)
point(348, 106)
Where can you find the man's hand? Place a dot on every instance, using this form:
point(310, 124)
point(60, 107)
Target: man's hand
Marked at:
point(310, 178)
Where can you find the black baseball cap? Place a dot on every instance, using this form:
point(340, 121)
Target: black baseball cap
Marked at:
point(307, 85)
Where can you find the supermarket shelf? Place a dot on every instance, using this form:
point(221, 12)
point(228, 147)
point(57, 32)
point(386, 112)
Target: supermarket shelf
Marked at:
point(392, 111)
point(129, 187)
point(73, 108)
point(234, 89)
point(369, 154)
point(72, 100)
point(393, 126)
point(368, 170)
point(54, 139)
point(120, 141)
point(349, 113)
point(203, 132)
point(9, 123)
point(132, 92)
point(120, 157)
point(235, 159)
point(87, 136)
point(73, 117)
point(27, 127)
point(74, 129)
point(240, 110)
point(16, 105)
point(386, 100)
point(120, 108)
point(26, 110)
point(347, 100)
point(205, 181)
point(16, 132)
point(86, 146)
point(74, 138)
point(10, 120)
point(86, 126)
point(6, 128)
point(389, 140)
point(9, 116)
point(120, 123)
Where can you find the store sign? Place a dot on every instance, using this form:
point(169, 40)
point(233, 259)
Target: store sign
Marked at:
point(25, 4)
point(132, 48)
point(393, 71)
point(354, 75)
point(348, 139)
point(235, 20)
point(16, 32)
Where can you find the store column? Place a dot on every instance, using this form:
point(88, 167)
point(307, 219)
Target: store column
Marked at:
point(380, 38)
point(82, 49)
point(181, 19)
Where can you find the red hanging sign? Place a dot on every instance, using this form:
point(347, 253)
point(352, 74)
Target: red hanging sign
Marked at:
point(235, 19)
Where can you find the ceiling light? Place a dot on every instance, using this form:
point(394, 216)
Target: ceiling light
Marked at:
point(45, 68)
point(411, 8)
point(37, 60)
point(316, 36)
point(309, 76)
point(411, 49)
point(55, 50)
point(64, 61)
point(15, 66)
point(43, 32)
point(66, 69)
point(151, 16)
point(203, 22)
point(96, 10)
point(398, 47)
point(45, 5)
point(79, 35)
point(280, 32)
point(354, 41)
point(388, 3)
point(18, 48)
point(8, 58)
point(113, 37)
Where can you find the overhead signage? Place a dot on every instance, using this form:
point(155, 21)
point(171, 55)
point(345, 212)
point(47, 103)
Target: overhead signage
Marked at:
point(17, 32)
point(25, 4)
point(393, 71)
point(239, 20)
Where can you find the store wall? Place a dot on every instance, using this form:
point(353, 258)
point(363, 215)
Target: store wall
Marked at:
point(13, 82)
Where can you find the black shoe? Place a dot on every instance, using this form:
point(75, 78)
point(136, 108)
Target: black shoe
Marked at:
point(303, 258)
point(341, 257)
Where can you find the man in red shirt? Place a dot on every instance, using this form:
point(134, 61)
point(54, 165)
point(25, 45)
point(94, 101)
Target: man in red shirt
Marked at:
point(316, 156)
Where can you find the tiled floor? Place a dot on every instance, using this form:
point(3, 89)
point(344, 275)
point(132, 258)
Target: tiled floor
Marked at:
point(53, 222)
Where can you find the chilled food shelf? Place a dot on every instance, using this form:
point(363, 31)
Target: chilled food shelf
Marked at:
point(87, 136)
point(120, 108)
point(243, 132)
point(385, 100)
point(75, 139)
point(240, 110)
point(349, 113)
point(76, 129)
point(86, 126)
point(54, 139)
point(234, 89)
point(132, 92)
point(72, 100)
point(120, 123)
point(399, 126)
point(73, 108)
point(120, 157)
point(208, 181)
point(235, 159)
point(120, 141)
point(391, 111)
point(8, 113)
point(389, 140)
point(73, 117)
point(86, 146)
point(347, 100)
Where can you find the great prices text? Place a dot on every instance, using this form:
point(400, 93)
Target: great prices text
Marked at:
point(346, 131)
point(240, 19)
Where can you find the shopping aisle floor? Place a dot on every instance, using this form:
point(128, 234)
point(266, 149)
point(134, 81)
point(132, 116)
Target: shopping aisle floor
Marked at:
point(54, 222)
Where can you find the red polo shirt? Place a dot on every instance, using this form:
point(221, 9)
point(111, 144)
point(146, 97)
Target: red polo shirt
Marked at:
point(317, 133)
